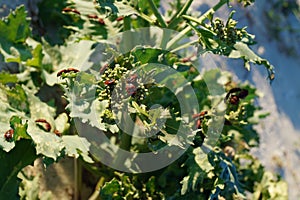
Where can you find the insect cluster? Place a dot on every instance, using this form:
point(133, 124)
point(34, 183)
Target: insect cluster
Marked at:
point(235, 94)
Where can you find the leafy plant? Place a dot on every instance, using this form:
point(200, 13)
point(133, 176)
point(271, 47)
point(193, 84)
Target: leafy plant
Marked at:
point(97, 79)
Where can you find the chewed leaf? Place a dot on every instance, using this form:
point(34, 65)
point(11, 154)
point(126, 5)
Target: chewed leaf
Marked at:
point(61, 123)
point(8, 78)
point(20, 128)
point(77, 146)
point(110, 188)
point(47, 143)
point(116, 8)
point(37, 54)
point(88, 112)
point(39, 109)
point(243, 51)
point(15, 27)
point(5, 145)
point(14, 30)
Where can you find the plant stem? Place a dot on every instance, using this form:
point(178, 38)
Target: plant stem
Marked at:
point(147, 18)
point(157, 14)
point(125, 142)
point(176, 18)
point(96, 193)
point(78, 178)
point(212, 10)
point(200, 21)
point(127, 24)
point(186, 45)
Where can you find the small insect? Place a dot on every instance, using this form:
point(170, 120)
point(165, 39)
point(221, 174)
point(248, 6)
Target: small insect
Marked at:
point(132, 78)
point(68, 70)
point(73, 10)
point(103, 68)
point(130, 89)
point(109, 82)
point(200, 116)
point(120, 18)
point(92, 16)
point(56, 132)
point(235, 94)
point(187, 59)
point(234, 100)
point(46, 125)
point(101, 21)
point(8, 135)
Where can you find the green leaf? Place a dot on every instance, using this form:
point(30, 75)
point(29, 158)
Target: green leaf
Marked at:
point(6, 112)
point(77, 146)
point(73, 54)
point(20, 130)
point(37, 55)
point(110, 189)
point(270, 187)
point(39, 109)
point(116, 7)
point(30, 188)
point(147, 55)
point(8, 78)
point(11, 163)
point(243, 51)
point(17, 98)
point(61, 123)
point(197, 171)
point(47, 143)
point(15, 28)
point(86, 111)
point(202, 160)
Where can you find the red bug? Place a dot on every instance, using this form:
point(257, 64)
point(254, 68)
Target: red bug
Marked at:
point(200, 117)
point(109, 82)
point(46, 126)
point(103, 68)
point(120, 18)
point(201, 114)
point(132, 78)
point(73, 10)
point(130, 89)
point(101, 21)
point(68, 70)
point(8, 135)
point(56, 132)
point(187, 59)
point(92, 16)
point(234, 100)
point(235, 94)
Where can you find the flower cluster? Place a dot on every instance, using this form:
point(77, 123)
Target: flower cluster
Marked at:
point(228, 32)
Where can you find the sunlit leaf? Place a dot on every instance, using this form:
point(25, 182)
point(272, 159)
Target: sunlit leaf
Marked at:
point(77, 146)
